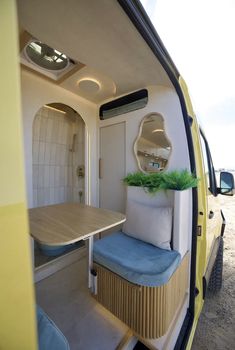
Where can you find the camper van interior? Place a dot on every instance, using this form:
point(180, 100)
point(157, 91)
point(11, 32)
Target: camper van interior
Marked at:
point(97, 104)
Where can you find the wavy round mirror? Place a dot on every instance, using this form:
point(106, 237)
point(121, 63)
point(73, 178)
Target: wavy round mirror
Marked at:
point(152, 147)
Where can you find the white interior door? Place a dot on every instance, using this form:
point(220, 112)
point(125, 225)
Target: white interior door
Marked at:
point(112, 167)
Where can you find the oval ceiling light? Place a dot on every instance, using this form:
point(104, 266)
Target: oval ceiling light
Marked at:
point(46, 57)
point(88, 85)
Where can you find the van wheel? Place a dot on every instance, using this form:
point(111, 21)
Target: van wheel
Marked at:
point(216, 277)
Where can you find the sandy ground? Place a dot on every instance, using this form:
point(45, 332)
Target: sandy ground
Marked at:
point(216, 327)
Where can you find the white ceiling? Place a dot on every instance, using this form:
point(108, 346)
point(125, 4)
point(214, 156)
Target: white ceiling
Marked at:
point(100, 35)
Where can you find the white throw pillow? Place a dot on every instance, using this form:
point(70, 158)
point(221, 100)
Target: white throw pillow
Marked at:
point(149, 224)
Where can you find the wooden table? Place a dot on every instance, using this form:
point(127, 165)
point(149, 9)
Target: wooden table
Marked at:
point(67, 223)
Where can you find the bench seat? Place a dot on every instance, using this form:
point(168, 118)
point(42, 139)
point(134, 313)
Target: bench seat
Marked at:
point(136, 261)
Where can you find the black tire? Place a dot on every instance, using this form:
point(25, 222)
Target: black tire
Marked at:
point(216, 278)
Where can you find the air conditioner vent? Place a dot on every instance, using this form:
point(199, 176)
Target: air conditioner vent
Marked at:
point(125, 104)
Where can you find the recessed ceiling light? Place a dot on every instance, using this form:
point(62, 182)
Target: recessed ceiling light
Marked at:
point(88, 85)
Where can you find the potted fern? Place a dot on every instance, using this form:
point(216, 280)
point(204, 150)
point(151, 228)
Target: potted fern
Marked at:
point(157, 188)
point(177, 180)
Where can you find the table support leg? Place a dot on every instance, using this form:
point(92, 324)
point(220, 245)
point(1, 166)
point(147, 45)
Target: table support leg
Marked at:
point(90, 261)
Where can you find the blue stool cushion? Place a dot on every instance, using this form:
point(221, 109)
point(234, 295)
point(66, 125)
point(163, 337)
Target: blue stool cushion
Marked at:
point(136, 261)
point(49, 336)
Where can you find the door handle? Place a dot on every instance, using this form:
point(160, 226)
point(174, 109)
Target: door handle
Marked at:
point(211, 214)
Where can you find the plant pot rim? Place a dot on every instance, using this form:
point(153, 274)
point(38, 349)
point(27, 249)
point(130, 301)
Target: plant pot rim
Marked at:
point(161, 189)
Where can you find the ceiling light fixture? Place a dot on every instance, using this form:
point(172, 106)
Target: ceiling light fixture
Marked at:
point(89, 85)
point(55, 109)
point(157, 130)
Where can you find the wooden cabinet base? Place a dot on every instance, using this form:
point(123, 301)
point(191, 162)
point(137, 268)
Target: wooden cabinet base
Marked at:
point(148, 311)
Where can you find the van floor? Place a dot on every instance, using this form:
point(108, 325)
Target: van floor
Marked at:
point(65, 297)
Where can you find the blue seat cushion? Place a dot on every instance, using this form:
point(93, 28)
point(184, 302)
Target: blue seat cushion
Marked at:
point(136, 261)
point(49, 336)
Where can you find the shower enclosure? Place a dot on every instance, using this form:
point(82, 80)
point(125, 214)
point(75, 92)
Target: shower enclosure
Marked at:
point(58, 162)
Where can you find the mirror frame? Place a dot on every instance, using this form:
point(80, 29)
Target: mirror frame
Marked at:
point(228, 191)
point(139, 135)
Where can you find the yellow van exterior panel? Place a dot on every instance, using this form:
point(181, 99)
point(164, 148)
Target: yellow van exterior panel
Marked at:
point(187, 99)
point(17, 317)
point(12, 175)
point(17, 304)
point(202, 207)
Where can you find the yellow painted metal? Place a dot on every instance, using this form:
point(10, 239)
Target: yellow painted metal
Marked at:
point(205, 201)
point(17, 304)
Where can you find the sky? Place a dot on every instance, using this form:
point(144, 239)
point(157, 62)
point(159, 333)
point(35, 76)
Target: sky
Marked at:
point(199, 36)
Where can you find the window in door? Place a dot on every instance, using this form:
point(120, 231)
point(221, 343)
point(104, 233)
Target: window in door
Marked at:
point(208, 165)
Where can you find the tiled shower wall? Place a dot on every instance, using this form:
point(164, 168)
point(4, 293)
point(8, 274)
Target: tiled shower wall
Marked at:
point(55, 160)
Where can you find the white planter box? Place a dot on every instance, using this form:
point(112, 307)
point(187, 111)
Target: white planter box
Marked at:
point(180, 201)
point(160, 199)
point(182, 223)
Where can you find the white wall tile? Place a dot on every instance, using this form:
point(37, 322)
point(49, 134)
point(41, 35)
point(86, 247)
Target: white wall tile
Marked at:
point(62, 154)
point(69, 136)
point(35, 176)
point(52, 176)
point(45, 112)
point(35, 198)
point(40, 197)
point(41, 157)
point(70, 158)
point(70, 176)
point(62, 194)
point(69, 194)
point(53, 154)
point(66, 162)
point(46, 196)
point(60, 132)
point(46, 176)
point(57, 156)
point(59, 116)
point(36, 127)
point(80, 133)
point(47, 153)
point(50, 113)
point(40, 176)
point(75, 196)
point(43, 129)
point(35, 152)
point(66, 175)
point(65, 133)
point(62, 176)
point(52, 195)
point(74, 177)
point(79, 157)
point(49, 130)
point(57, 195)
point(57, 176)
point(52, 170)
point(55, 130)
